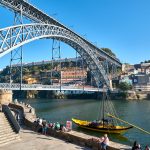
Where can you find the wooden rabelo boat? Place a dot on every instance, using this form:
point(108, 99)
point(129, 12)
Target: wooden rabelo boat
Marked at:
point(98, 126)
point(108, 120)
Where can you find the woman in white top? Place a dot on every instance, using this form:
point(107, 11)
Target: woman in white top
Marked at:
point(104, 142)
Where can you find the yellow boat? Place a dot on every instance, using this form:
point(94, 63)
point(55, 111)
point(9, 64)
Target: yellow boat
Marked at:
point(101, 127)
point(107, 120)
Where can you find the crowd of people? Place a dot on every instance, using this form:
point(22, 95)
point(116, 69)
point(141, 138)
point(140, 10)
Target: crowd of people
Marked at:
point(41, 126)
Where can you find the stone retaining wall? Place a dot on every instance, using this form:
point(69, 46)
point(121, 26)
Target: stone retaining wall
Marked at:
point(5, 96)
point(72, 136)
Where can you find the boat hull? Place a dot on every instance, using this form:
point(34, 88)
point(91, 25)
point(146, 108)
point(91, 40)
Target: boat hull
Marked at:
point(114, 129)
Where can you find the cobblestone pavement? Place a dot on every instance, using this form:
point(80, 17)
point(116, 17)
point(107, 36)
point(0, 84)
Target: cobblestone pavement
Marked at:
point(33, 141)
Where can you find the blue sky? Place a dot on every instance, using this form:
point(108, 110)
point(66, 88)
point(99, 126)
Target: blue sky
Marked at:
point(121, 25)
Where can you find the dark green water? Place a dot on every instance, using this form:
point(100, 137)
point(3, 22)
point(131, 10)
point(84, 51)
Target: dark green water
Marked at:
point(136, 112)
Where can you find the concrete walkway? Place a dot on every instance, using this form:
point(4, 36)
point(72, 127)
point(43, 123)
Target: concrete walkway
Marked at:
point(33, 141)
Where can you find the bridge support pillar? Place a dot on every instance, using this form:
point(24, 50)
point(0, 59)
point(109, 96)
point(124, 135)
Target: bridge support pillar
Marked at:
point(5, 96)
point(111, 87)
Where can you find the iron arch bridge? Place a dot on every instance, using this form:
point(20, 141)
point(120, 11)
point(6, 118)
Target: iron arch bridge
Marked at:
point(16, 36)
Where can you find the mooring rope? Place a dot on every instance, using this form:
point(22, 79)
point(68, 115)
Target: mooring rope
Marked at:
point(129, 124)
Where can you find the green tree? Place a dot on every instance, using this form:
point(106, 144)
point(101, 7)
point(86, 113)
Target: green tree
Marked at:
point(109, 51)
point(146, 61)
point(6, 71)
point(48, 66)
point(124, 86)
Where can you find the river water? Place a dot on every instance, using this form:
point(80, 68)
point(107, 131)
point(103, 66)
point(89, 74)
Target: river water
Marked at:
point(136, 112)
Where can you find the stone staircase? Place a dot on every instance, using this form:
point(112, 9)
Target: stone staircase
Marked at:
point(7, 134)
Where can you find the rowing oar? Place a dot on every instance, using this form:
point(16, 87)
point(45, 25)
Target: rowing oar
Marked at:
point(128, 123)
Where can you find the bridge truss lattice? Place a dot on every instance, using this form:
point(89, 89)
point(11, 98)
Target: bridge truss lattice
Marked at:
point(47, 27)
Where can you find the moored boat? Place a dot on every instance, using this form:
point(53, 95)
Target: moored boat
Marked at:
point(107, 119)
point(101, 126)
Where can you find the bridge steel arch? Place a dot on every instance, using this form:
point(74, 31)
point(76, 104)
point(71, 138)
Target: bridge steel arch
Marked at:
point(16, 36)
point(34, 14)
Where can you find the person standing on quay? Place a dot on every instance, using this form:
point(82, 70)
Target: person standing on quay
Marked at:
point(136, 146)
point(44, 127)
point(147, 148)
point(104, 142)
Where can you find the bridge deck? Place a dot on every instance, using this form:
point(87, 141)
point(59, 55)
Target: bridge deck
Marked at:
point(40, 87)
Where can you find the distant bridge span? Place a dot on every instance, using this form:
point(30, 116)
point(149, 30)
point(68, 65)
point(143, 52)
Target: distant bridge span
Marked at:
point(40, 87)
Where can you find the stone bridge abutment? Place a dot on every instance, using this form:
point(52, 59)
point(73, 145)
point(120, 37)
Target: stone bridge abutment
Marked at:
point(5, 96)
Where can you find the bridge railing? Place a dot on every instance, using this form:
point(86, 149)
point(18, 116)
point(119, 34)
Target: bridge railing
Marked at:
point(11, 118)
point(16, 86)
